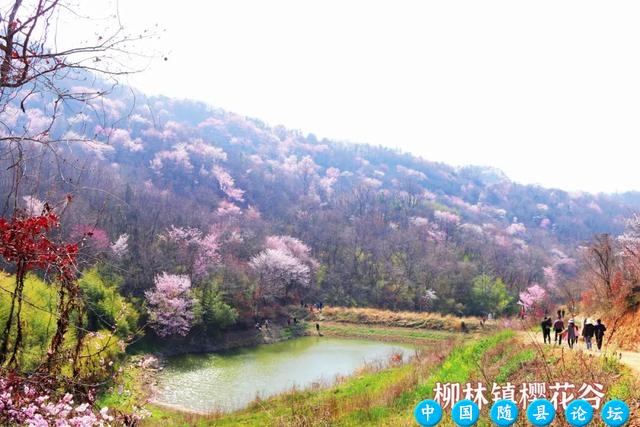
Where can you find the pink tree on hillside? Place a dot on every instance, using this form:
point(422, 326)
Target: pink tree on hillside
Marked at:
point(292, 246)
point(208, 253)
point(171, 305)
point(227, 184)
point(193, 250)
point(90, 234)
point(279, 274)
point(533, 299)
point(120, 247)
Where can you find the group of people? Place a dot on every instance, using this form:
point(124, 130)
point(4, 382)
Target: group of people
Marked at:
point(318, 306)
point(572, 331)
point(265, 324)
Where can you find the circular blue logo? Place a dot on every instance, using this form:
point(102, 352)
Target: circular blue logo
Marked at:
point(465, 413)
point(579, 412)
point(541, 412)
point(615, 412)
point(504, 412)
point(428, 413)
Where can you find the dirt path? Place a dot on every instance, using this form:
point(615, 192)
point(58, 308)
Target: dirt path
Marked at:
point(629, 358)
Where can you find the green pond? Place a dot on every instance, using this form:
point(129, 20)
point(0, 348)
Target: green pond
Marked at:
point(229, 381)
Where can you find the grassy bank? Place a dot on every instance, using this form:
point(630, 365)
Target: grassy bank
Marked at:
point(385, 333)
point(403, 319)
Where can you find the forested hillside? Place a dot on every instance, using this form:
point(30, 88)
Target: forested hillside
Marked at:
point(255, 216)
point(130, 222)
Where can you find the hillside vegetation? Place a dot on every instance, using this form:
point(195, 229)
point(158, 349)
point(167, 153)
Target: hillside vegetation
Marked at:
point(182, 188)
point(140, 223)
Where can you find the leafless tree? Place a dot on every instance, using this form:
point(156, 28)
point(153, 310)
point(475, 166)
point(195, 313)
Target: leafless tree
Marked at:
point(41, 78)
point(602, 261)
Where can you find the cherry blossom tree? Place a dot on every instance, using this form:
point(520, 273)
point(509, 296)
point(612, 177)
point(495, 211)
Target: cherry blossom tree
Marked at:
point(22, 403)
point(184, 235)
point(533, 298)
point(170, 305)
point(120, 247)
point(227, 184)
point(278, 274)
point(208, 253)
point(447, 221)
point(331, 177)
point(428, 298)
point(292, 246)
point(629, 242)
point(516, 229)
point(192, 250)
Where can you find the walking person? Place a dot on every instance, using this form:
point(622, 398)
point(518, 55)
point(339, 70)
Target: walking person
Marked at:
point(572, 333)
point(546, 329)
point(588, 331)
point(558, 327)
point(598, 332)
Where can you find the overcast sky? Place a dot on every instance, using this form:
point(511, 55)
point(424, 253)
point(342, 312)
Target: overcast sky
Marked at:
point(547, 91)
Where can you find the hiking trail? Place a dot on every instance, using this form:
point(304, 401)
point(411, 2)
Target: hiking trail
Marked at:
point(629, 358)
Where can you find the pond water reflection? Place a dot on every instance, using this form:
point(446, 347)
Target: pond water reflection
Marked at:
point(230, 381)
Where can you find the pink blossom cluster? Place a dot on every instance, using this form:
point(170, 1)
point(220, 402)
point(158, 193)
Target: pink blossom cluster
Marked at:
point(551, 276)
point(446, 217)
point(90, 234)
point(121, 246)
point(371, 182)
point(179, 156)
point(123, 137)
point(170, 305)
point(630, 240)
point(532, 296)
point(410, 172)
point(205, 150)
point(228, 209)
point(327, 182)
point(294, 247)
point(227, 184)
point(516, 228)
point(430, 229)
point(277, 270)
point(25, 405)
point(206, 248)
point(184, 236)
point(208, 253)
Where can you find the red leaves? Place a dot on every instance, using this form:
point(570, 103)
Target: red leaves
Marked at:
point(24, 242)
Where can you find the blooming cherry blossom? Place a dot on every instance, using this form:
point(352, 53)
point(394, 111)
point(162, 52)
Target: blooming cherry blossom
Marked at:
point(171, 305)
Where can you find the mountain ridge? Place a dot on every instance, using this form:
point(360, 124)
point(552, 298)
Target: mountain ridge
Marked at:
point(385, 221)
